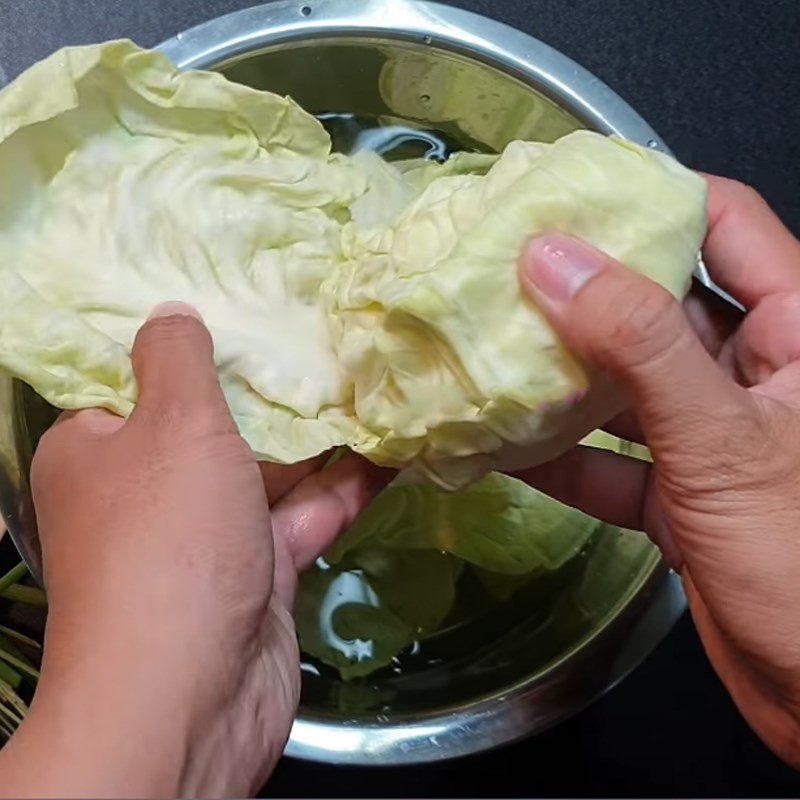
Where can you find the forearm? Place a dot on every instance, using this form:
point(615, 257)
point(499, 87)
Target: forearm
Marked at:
point(97, 739)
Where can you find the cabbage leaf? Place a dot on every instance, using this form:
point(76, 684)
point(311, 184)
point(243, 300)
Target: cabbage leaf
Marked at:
point(391, 580)
point(351, 301)
point(360, 614)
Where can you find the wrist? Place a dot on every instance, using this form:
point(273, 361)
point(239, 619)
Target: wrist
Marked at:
point(773, 717)
point(109, 717)
point(95, 733)
point(133, 708)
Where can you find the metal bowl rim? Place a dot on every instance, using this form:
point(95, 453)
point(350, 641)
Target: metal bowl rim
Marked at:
point(224, 38)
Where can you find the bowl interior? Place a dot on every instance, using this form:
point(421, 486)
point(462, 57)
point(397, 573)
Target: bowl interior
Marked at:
point(469, 103)
point(408, 99)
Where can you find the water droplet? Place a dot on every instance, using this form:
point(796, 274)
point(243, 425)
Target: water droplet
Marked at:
point(652, 144)
point(427, 39)
point(306, 11)
point(179, 36)
point(426, 98)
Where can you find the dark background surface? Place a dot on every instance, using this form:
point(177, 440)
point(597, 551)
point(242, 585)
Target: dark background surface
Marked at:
point(720, 81)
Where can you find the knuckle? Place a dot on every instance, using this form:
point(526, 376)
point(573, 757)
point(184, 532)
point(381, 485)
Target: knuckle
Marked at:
point(745, 196)
point(778, 313)
point(164, 417)
point(46, 455)
point(640, 323)
point(774, 425)
point(723, 451)
point(178, 328)
point(71, 444)
point(744, 190)
point(752, 453)
point(209, 419)
point(769, 337)
point(55, 458)
point(168, 421)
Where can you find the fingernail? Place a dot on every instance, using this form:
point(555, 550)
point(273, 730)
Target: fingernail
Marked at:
point(558, 266)
point(175, 308)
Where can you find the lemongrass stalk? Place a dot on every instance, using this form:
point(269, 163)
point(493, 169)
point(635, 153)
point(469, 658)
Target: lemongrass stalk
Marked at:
point(20, 637)
point(9, 675)
point(13, 576)
point(13, 700)
point(19, 664)
point(9, 647)
point(11, 714)
point(29, 595)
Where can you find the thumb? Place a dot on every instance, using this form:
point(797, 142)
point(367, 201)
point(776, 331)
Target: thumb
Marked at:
point(173, 361)
point(632, 329)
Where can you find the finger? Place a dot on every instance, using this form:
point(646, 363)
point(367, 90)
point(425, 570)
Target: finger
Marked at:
point(73, 429)
point(280, 479)
point(91, 421)
point(635, 331)
point(608, 486)
point(713, 319)
point(749, 252)
point(784, 385)
point(69, 436)
point(605, 485)
point(173, 360)
point(769, 338)
point(626, 426)
point(324, 505)
point(729, 363)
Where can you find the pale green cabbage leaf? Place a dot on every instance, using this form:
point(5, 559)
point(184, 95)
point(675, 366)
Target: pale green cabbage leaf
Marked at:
point(497, 523)
point(453, 371)
point(351, 302)
point(362, 613)
point(391, 579)
point(126, 183)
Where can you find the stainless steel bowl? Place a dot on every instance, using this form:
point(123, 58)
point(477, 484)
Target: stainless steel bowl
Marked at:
point(480, 84)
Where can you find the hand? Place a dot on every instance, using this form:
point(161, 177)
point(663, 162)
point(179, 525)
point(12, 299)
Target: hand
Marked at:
point(170, 664)
point(722, 498)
